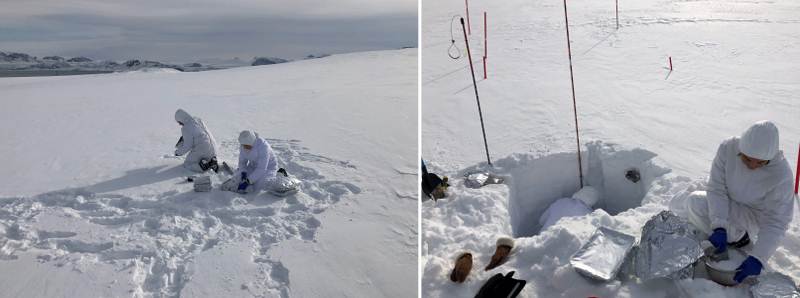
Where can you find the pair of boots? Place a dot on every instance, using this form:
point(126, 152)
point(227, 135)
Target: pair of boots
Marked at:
point(206, 164)
point(463, 265)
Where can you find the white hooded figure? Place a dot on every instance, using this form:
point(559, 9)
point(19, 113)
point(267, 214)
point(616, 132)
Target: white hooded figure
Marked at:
point(195, 140)
point(578, 205)
point(256, 160)
point(749, 191)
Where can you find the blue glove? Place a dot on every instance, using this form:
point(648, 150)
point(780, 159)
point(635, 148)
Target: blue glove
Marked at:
point(243, 185)
point(750, 266)
point(245, 182)
point(719, 239)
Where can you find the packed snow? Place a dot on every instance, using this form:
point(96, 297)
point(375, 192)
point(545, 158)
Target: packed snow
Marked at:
point(734, 63)
point(94, 204)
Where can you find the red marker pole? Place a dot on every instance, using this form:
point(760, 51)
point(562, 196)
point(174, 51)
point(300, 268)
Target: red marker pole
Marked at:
point(797, 175)
point(485, 51)
point(469, 28)
point(670, 63)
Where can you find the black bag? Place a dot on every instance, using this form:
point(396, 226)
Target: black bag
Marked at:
point(499, 286)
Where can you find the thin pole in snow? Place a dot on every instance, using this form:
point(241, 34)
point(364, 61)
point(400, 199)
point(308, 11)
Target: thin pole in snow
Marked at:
point(475, 85)
point(574, 105)
point(670, 63)
point(469, 28)
point(616, 11)
point(485, 51)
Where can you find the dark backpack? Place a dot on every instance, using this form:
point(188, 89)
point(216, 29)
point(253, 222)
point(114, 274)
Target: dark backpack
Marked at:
point(499, 286)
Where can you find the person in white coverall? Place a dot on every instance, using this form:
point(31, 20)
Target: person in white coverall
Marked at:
point(197, 141)
point(578, 205)
point(257, 163)
point(749, 192)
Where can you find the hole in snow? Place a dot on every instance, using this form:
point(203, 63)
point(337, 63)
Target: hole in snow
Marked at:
point(538, 182)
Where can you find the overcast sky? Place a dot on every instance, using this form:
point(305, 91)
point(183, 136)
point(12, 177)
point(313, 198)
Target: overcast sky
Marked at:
point(188, 30)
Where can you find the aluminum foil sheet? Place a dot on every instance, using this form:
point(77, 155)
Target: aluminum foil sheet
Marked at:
point(202, 183)
point(667, 249)
point(774, 285)
point(285, 185)
point(477, 180)
point(602, 256)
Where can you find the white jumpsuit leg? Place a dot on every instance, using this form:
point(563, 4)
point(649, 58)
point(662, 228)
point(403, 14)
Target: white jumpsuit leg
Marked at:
point(741, 218)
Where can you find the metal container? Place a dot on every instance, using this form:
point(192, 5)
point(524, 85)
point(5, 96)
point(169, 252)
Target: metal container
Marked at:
point(603, 255)
point(722, 272)
point(667, 249)
point(202, 183)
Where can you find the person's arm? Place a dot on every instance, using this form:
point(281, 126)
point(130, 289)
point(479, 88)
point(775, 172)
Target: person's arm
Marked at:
point(773, 220)
point(718, 200)
point(188, 141)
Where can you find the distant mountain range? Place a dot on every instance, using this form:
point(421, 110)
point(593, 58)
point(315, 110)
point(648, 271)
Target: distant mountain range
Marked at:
point(10, 62)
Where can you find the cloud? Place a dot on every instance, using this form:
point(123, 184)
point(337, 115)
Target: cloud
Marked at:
point(176, 30)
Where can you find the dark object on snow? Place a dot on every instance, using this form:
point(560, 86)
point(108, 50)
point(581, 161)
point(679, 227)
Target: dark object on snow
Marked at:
point(283, 171)
point(462, 268)
point(267, 61)
point(633, 175)
point(501, 286)
point(79, 59)
point(226, 168)
point(209, 164)
point(742, 242)
point(190, 179)
point(433, 186)
point(180, 141)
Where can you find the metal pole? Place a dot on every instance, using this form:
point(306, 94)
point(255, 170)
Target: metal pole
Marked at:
point(616, 11)
point(474, 84)
point(574, 106)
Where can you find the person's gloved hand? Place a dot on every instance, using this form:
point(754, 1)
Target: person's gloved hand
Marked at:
point(245, 182)
point(719, 239)
point(750, 266)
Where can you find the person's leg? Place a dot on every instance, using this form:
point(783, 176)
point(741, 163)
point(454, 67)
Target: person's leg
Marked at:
point(697, 211)
point(740, 218)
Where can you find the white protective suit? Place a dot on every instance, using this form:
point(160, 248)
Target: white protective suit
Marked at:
point(759, 201)
point(259, 163)
point(578, 205)
point(197, 141)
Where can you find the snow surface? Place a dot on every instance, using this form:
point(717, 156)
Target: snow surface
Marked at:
point(734, 62)
point(92, 204)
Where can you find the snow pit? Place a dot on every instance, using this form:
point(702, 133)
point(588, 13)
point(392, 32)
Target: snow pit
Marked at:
point(538, 182)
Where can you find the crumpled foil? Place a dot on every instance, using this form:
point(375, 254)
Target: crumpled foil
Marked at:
point(603, 255)
point(202, 183)
point(774, 285)
point(667, 248)
point(477, 180)
point(284, 185)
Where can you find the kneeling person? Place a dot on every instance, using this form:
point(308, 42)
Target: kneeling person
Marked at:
point(197, 141)
point(257, 165)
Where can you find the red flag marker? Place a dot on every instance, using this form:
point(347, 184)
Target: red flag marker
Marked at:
point(797, 175)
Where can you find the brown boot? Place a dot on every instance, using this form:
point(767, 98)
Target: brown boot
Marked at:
point(503, 249)
point(462, 268)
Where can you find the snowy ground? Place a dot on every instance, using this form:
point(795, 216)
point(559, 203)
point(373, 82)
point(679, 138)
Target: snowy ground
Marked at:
point(734, 62)
point(93, 205)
